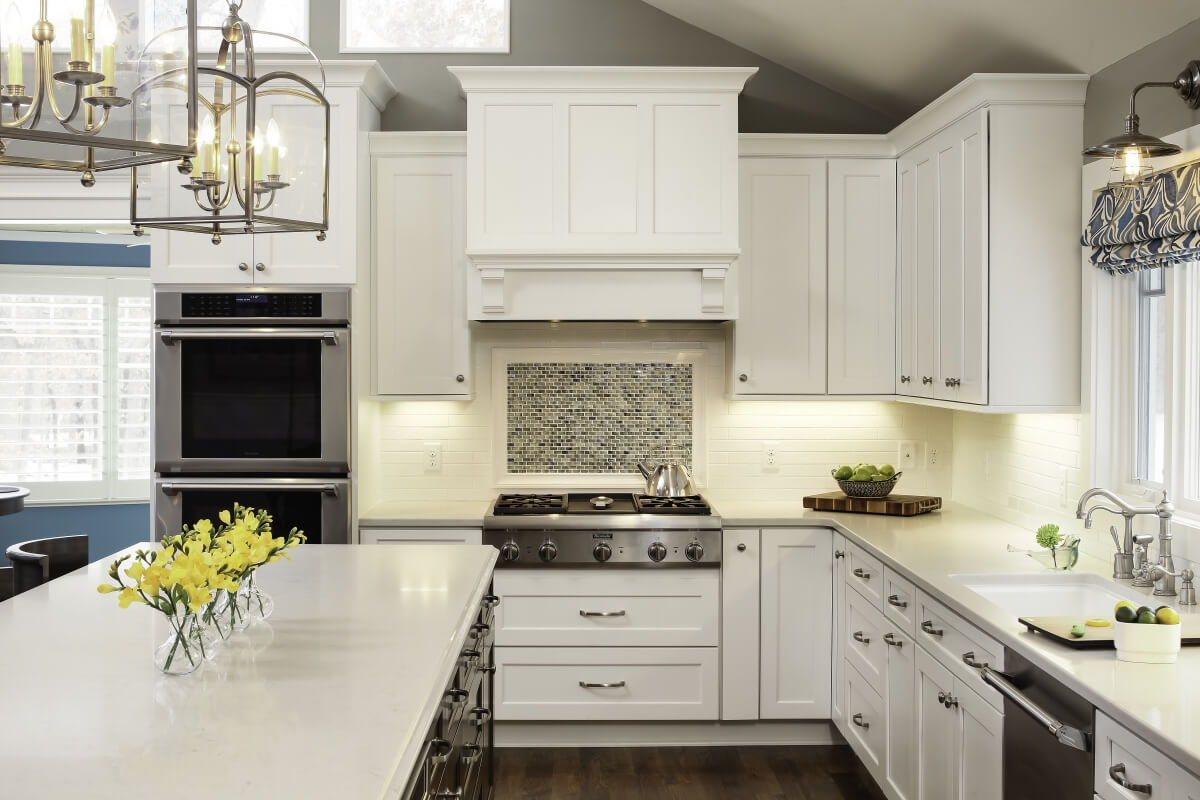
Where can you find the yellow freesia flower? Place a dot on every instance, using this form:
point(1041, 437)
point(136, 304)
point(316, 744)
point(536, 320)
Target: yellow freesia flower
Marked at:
point(204, 526)
point(224, 515)
point(198, 598)
point(106, 588)
point(127, 597)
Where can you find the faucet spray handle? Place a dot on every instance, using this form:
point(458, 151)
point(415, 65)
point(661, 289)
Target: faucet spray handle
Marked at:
point(1187, 592)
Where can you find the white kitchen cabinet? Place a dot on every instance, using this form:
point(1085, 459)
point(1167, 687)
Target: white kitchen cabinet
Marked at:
point(958, 737)
point(740, 564)
point(1121, 756)
point(866, 721)
point(357, 92)
point(797, 578)
point(900, 756)
point(989, 296)
point(862, 276)
point(981, 737)
point(837, 702)
point(421, 344)
point(779, 339)
point(420, 535)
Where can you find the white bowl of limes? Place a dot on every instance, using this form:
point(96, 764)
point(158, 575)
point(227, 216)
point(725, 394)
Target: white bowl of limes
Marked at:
point(866, 480)
point(1145, 635)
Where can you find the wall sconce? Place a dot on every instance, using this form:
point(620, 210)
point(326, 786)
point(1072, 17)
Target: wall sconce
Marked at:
point(1132, 149)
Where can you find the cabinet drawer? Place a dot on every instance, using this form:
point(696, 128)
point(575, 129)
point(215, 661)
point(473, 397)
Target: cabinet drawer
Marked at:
point(865, 726)
point(593, 608)
point(953, 641)
point(899, 601)
point(420, 536)
point(1136, 761)
point(865, 573)
point(606, 683)
point(863, 642)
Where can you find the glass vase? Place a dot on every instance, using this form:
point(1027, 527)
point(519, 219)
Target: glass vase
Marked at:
point(239, 607)
point(213, 625)
point(261, 605)
point(183, 650)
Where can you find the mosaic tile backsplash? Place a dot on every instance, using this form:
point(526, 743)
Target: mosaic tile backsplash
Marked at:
point(597, 417)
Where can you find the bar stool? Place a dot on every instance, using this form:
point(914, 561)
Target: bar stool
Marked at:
point(6, 583)
point(40, 560)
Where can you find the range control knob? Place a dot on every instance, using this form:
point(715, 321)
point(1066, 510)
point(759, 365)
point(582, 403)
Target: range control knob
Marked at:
point(510, 551)
point(548, 552)
point(657, 551)
point(694, 551)
point(602, 552)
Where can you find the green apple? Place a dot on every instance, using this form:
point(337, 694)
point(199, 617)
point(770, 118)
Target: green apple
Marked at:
point(844, 473)
point(887, 470)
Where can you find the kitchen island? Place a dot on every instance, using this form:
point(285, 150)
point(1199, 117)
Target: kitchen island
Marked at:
point(330, 697)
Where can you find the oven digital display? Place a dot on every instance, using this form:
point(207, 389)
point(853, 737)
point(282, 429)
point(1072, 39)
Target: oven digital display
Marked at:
point(249, 305)
point(302, 305)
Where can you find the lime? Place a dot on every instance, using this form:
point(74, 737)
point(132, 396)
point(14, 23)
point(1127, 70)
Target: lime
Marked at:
point(1126, 613)
point(843, 473)
point(1098, 622)
point(1147, 618)
point(1167, 616)
point(1077, 630)
point(1145, 610)
point(1126, 604)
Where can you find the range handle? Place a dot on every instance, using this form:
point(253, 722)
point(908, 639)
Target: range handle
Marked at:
point(1066, 735)
point(175, 487)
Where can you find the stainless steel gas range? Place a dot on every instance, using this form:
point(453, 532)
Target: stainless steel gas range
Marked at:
point(593, 529)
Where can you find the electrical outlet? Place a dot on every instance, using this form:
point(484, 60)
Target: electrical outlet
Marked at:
point(433, 456)
point(906, 455)
point(770, 455)
point(931, 456)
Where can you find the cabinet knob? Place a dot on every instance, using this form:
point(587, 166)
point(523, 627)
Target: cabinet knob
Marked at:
point(460, 378)
point(926, 379)
point(905, 378)
point(260, 266)
point(742, 547)
point(743, 377)
point(244, 267)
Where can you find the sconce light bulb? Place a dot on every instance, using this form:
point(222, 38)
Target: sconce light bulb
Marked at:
point(106, 26)
point(1133, 162)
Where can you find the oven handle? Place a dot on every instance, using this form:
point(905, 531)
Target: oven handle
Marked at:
point(170, 337)
point(1071, 737)
point(175, 487)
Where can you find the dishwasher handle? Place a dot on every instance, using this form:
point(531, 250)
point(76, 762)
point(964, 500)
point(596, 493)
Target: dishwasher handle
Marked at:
point(1066, 735)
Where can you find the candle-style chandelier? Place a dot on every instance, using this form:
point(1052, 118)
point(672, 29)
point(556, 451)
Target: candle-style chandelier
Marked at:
point(244, 178)
point(89, 110)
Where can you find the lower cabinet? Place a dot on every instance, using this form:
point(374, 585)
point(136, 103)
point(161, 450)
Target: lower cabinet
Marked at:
point(419, 535)
point(1124, 761)
point(900, 762)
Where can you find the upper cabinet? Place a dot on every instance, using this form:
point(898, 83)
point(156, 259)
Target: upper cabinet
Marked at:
point(357, 92)
point(988, 221)
point(601, 192)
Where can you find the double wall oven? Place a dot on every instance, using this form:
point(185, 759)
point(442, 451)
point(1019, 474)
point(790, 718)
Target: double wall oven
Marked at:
point(252, 393)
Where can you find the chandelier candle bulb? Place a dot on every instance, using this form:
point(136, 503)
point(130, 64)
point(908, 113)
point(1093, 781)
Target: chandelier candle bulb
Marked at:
point(258, 153)
point(77, 39)
point(273, 141)
point(13, 22)
point(106, 31)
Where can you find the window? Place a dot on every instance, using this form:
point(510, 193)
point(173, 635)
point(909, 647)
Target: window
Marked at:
point(75, 384)
point(289, 17)
point(416, 26)
point(1151, 411)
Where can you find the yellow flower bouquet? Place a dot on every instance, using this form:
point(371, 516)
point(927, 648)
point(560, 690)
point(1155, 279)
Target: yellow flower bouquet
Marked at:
point(194, 576)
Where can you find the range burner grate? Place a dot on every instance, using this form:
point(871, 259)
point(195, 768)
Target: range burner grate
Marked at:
point(689, 504)
point(530, 504)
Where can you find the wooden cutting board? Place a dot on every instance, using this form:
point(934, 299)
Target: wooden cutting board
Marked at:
point(896, 505)
point(1059, 629)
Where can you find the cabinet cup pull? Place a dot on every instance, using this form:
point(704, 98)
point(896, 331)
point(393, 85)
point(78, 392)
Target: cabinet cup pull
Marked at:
point(1117, 773)
point(927, 626)
point(859, 572)
point(616, 685)
point(857, 719)
point(894, 600)
point(583, 613)
point(969, 659)
point(925, 379)
point(858, 637)
point(890, 638)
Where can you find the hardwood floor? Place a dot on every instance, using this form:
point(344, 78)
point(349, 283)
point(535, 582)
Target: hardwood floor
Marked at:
point(682, 773)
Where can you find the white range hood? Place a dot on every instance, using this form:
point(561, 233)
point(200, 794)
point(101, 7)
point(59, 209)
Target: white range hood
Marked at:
point(602, 193)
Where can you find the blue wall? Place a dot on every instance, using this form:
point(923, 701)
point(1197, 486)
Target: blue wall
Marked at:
point(74, 254)
point(109, 527)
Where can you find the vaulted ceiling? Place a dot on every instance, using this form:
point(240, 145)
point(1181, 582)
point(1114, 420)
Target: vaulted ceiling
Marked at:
point(897, 55)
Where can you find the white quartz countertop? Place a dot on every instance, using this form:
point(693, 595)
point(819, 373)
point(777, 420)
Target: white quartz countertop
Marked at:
point(331, 697)
point(425, 514)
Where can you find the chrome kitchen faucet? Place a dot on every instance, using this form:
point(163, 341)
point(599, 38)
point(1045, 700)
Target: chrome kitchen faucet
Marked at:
point(1163, 573)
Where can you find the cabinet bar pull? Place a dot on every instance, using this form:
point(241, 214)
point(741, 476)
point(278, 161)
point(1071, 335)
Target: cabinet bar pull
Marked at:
point(926, 379)
point(858, 637)
point(927, 626)
point(860, 573)
point(951, 701)
point(857, 719)
point(905, 378)
point(942, 698)
point(890, 638)
point(583, 613)
point(1117, 773)
point(969, 659)
point(587, 685)
point(894, 600)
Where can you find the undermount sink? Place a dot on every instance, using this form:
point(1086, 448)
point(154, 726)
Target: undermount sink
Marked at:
point(1049, 594)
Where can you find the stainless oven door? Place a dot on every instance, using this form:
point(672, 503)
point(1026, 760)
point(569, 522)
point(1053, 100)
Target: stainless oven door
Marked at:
point(318, 506)
point(252, 400)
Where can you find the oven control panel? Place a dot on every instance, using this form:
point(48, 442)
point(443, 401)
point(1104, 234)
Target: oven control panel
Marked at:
point(300, 305)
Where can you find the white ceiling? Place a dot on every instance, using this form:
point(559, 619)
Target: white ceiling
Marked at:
point(897, 55)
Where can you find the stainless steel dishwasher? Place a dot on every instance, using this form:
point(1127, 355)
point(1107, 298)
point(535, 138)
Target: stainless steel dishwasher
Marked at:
point(1048, 731)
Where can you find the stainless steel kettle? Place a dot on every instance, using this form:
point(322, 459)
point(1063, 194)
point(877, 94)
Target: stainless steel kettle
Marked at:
point(668, 479)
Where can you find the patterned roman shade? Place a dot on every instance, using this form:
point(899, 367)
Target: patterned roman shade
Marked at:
point(1155, 225)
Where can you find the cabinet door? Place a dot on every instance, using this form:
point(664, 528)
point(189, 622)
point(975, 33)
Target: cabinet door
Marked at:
point(420, 535)
point(183, 257)
point(907, 379)
point(901, 757)
point(797, 578)
point(961, 162)
point(837, 701)
point(923, 274)
point(981, 749)
point(779, 338)
point(937, 732)
point(739, 624)
point(421, 344)
point(862, 276)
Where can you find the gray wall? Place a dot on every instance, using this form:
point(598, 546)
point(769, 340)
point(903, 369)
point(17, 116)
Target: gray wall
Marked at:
point(1161, 110)
point(609, 33)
